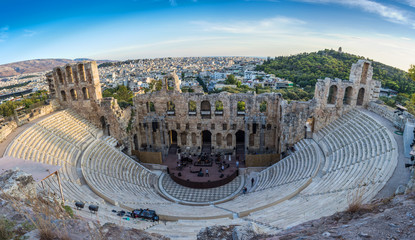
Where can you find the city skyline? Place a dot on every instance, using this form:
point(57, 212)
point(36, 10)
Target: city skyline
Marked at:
point(381, 30)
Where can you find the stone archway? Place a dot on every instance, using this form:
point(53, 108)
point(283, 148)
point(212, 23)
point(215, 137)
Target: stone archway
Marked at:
point(229, 140)
point(240, 144)
point(240, 137)
point(219, 140)
point(360, 97)
point(135, 142)
point(173, 137)
point(332, 98)
point(206, 137)
point(348, 93)
point(105, 126)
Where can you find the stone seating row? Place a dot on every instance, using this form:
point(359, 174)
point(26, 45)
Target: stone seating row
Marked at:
point(281, 181)
point(66, 125)
point(41, 143)
point(121, 181)
point(300, 165)
point(360, 165)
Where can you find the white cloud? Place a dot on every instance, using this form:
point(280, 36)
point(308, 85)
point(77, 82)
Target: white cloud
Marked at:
point(28, 33)
point(411, 3)
point(285, 36)
point(264, 26)
point(4, 33)
point(390, 13)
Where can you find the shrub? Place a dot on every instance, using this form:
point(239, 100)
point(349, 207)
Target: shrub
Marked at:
point(6, 229)
point(68, 210)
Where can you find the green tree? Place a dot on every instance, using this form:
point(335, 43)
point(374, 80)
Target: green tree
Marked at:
point(304, 69)
point(231, 80)
point(218, 106)
point(122, 93)
point(192, 106)
point(241, 106)
point(411, 72)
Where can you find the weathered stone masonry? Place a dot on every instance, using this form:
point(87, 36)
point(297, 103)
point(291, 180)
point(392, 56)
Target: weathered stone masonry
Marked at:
point(266, 123)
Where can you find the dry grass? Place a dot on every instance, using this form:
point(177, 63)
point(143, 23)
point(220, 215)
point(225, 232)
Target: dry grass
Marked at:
point(46, 216)
point(355, 201)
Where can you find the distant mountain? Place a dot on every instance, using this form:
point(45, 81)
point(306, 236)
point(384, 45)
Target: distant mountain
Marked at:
point(37, 65)
point(304, 69)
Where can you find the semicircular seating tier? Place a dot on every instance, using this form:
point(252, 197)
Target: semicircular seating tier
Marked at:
point(280, 181)
point(361, 156)
point(60, 140)
point(353, 157)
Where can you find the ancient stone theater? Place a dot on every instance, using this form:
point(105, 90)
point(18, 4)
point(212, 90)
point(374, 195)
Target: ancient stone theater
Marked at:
point(202, 159)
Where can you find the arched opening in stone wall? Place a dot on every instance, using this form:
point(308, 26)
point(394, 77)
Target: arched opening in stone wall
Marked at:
point(183, 138)
point(60, 77)
point(88, 76)
point(81, 72)
point(364, 73)
point(171, 108)
point(74, 96)
point(240, 107)
point(360, 97)
point(229, 140)
point(240, 137)
point(205, 109)
point(150, 107)
point(240, 142)
point(85, 92)
point(63, 95)
point(194, 140)
point(206, 137)
point(173, 137)
point(348, 93)
point(252, 140)
point(331, 99)
point(135, 142)
point(219, 106)
point(192, 107)
point(105, 126)
point(205, 106)
point(69, 75)
point(263, 107)
point(219, 139)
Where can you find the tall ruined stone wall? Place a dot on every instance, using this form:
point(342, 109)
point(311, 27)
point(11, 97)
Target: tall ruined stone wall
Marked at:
point(294, 116)
point(155, 123)
point(159, 118)
point(334, 97)
point(77, 86)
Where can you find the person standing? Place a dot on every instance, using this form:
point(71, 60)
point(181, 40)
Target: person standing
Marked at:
point(252, 182)
point(237, 164)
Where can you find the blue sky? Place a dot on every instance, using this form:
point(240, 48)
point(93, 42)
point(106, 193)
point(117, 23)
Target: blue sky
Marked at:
point(130, 29)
